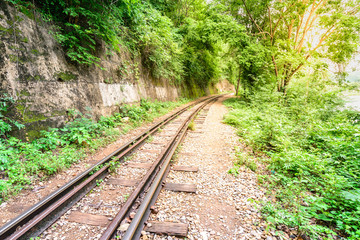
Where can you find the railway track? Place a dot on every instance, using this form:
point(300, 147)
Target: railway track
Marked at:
point(149, 166)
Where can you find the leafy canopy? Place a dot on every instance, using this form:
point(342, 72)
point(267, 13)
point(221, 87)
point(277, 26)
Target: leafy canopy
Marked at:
point(296, 30)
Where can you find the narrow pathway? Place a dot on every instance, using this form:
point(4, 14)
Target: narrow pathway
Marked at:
point(223, 206)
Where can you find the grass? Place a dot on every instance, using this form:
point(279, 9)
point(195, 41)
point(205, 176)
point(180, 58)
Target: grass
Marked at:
point(191, 126)
point(312, 153)
point(22, 163)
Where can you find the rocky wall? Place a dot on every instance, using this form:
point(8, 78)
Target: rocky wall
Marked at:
point(35, 71)
point(45, 84)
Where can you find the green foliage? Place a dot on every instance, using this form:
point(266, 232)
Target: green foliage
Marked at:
point(158, 42)
point(6, 123)
point(191, 126)
point(181, 41)
point(146, 110)
point(243, 159)
point(286, 29)
point(195, 42)
point(56, 149)
point(234, 170)
point(314, 153)
point(80, 25)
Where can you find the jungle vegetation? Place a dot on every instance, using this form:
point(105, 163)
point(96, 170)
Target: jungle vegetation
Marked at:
point(276, 53)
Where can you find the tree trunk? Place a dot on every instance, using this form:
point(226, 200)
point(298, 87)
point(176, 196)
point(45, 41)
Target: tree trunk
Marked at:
point(237, 87)
point(286, 82)
point(289, 74)
point(238, 83)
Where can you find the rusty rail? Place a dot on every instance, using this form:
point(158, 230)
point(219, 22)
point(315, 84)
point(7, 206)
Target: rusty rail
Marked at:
point(35, 220)
point(151, 183)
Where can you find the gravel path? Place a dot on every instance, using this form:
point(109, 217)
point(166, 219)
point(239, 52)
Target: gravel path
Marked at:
point(223, 207)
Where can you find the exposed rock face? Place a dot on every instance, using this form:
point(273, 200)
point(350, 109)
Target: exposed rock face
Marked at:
point(225, 86)
point(34, 70)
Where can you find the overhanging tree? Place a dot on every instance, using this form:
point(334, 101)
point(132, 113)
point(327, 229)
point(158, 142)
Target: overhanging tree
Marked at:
point(296, 30)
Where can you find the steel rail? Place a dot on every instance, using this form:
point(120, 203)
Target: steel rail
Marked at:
point(163, 160)
point(137, 223)
point(24, 225)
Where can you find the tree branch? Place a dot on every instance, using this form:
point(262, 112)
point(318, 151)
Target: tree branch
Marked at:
point(252, 19)
point(322, 39)
point(281, 17)
point(306, 27)
point(299, 27)
point(290, 28)
point(271, 33)
point(295, 70)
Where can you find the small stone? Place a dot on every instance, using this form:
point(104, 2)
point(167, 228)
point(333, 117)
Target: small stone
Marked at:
point(124, 227)
point(256, 234)
point(204, 235)
point(183, 219)
point(154, 210)
point(132, 215)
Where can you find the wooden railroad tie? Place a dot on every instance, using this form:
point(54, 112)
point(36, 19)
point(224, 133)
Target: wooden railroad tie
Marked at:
point(194, 136)
point(123, 182)
point(187, 153)
point(180, 187)
point(177, 121)
point(157, 143)
point(87, 218)
point(169, 228)
point(150, 150)
point(139, 165)
point(185, 168)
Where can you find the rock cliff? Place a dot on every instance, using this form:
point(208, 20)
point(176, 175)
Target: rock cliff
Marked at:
point(35, 71)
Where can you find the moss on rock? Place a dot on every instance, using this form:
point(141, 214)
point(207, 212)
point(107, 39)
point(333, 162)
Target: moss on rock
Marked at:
point(29, 116)
point(65, 76)
point(23, 93)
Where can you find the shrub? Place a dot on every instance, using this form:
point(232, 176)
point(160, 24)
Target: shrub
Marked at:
point(314, 159)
